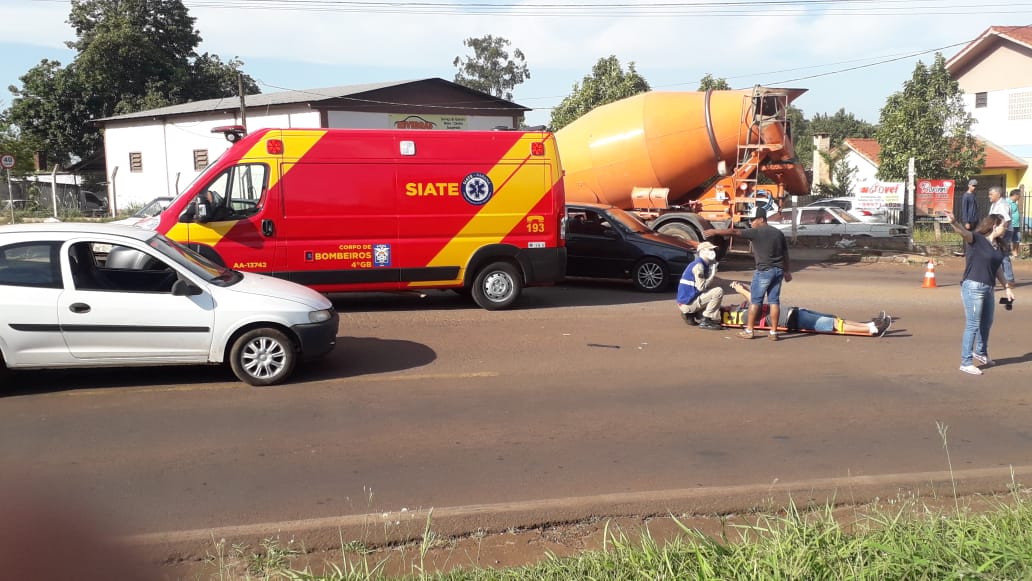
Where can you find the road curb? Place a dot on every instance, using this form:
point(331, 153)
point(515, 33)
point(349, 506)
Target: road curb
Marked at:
point(405, 525)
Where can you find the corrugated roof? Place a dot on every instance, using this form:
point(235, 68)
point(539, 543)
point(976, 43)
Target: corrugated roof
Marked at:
point(995, 156)
point(292, 97)
point(1021, 35)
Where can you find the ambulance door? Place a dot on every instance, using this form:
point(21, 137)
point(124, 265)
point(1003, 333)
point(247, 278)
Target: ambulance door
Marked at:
point(340, 225)
point(235, 218)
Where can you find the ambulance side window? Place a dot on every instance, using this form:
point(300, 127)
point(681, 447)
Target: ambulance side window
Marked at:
point(248, 188)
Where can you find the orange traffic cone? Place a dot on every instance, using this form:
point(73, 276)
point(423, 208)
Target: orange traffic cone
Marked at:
point(929, 277)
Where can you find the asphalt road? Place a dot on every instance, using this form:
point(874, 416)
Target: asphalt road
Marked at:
point(589, 398)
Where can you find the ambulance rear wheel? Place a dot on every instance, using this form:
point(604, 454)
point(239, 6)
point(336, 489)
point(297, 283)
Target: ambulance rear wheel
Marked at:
point(497, 286)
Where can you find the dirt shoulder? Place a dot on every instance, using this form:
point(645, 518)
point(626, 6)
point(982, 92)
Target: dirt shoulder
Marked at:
point(513, 534)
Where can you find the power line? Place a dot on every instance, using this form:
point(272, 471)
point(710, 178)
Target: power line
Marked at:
point(766, 8)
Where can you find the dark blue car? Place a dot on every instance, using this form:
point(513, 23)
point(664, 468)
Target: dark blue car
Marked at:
point(606, 242)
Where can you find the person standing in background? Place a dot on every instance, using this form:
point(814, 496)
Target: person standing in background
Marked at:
point(1015, 203)
point(1000, 206)
point(982, 268)
point(969, 207)
point(770, 250)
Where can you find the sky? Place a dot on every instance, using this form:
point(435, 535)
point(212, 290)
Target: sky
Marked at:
point(849, 54)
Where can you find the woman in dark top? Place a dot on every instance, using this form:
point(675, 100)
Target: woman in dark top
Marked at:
point(982, 258)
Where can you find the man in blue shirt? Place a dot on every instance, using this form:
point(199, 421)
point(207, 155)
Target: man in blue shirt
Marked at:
point(696, 292)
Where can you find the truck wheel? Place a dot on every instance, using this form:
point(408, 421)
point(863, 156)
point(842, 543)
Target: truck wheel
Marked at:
point(687, 233)
point(263, 356)
point(651, 275)
point(682, 231)
point(497, 286)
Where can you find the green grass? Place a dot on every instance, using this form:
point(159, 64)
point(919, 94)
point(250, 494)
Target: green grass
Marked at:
point(905, 541)
point(925, 234)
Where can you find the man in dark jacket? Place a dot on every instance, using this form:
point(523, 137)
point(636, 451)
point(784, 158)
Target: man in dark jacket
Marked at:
point(969, 207)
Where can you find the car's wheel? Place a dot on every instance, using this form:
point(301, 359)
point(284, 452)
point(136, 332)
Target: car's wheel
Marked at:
point(4, 373)
point(651, 275)
point(263, 356)
point(497, 286)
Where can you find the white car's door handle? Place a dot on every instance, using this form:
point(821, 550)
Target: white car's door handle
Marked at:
point(79, 308)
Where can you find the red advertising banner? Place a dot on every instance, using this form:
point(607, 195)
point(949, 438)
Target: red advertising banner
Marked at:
point(932, 198)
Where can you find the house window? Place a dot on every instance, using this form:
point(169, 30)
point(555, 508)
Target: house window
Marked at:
point(200, 159)
point(1019, 106)
point(981, 100)
point(135, 161)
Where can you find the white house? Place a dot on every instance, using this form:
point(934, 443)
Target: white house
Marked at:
point(159, 152)
point(995, 73)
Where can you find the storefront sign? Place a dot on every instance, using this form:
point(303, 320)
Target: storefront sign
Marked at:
point(932, 198)
point(877, 195)
point(427, 121)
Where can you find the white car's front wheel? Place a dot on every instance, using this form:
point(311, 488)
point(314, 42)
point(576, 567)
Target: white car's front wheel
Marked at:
point(263, 356)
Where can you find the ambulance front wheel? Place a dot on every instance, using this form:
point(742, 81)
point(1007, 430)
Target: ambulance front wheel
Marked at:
point(497, 286)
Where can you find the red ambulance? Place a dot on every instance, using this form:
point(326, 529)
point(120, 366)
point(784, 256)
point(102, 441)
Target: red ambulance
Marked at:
point(382, 210)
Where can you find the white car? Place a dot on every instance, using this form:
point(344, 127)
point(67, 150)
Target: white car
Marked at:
point(849, 205)
point(819, 221)
point(152, 209)
point(102, 295)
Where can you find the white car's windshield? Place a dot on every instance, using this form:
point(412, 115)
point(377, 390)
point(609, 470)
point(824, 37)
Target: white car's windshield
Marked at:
point(153, 208)
point(844, 215)
point(195, 263)
point(628, 221)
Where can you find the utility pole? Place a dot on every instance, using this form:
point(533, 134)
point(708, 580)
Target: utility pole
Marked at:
point(910, 206)
point(243, 108)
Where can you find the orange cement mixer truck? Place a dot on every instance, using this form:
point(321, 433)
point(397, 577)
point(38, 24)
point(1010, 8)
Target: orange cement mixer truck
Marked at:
point(685, 161)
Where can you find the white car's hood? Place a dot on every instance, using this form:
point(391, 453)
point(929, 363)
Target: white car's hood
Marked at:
point(267, 286)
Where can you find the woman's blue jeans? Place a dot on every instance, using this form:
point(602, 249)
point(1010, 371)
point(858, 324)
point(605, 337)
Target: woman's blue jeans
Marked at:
point(978, 319)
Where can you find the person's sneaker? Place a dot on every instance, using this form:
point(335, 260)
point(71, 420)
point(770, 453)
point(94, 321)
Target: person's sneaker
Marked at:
point(971, 369)
point(709, 324)
point(690, 319)
point(773, 336)
point(882, 325)
point(983, 360)
point(744, 334)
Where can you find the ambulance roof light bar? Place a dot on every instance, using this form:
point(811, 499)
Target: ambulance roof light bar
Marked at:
point(233, 133)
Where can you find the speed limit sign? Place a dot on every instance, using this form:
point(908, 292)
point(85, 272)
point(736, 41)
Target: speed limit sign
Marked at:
point(7, 161)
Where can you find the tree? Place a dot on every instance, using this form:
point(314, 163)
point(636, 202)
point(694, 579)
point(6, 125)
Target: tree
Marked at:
point(131, 55)
point(491, 69)
point(608, 82)
point(842, 174)
point(927, 121)
point(708, 82)
point(11, 143)
point(838, 127)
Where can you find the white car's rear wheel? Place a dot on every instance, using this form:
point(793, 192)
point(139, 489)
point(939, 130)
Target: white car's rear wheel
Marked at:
point(263, 356)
